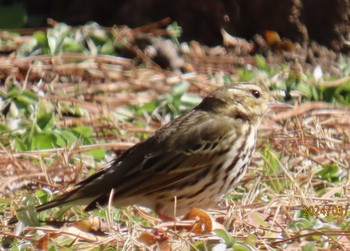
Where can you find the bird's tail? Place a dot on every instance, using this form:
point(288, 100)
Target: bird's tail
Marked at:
point(85, 192)
point(68, 199)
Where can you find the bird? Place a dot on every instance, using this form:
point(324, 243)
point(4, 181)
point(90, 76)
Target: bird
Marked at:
point(193, 161)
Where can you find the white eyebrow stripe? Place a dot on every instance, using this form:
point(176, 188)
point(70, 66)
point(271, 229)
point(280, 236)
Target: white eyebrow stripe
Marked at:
point(251, 86)
point(245, 88)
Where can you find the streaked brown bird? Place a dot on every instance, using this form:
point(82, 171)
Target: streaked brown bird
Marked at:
point(194, 160)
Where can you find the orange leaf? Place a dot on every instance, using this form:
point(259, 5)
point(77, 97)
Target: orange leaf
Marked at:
point(272, 37)
point(43, 243)
point(203, 223)
point(158, 236)
point(147, 238)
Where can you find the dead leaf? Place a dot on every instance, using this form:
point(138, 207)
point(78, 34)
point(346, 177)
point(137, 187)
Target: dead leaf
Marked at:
point(232, 41)
point(158, 236)
point(92, 225)
point(257, 219)
point(272, 38)
point(147, 238)
point(203, 223)
point(43, 243)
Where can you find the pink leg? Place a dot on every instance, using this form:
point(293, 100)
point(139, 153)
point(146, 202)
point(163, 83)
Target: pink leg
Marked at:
point(162, 216)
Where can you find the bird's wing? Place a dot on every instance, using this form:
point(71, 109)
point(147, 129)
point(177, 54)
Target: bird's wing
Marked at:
point(176, 157)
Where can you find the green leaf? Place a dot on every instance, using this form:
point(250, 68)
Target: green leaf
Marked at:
point(190, 99)
point(175, 31)
point(146, 108)
point(180, 88)
point(20, 146)
point(309, 247)
point(6, 201)
point(301, 224)
point(272, 164)
point(330, 172)
point(124, 113)
point(56, 36)
point(199, 246)
point(259, 220)
point(84, 131)
point(107, 48)
point(245, 74)
point(60, 141)
point(43, 120)
point(3, 127)
point(97, 154)
point(241, 247)
point(24, 99)
point(41, 38)
point(45, 140)
point(260, 62)
point(54, 248)
point(342, 93)
point(68, 137)
point(12, 93)
point(71, 45)
point(28, 216)
point(227, 79)
point(73, 111)
point(305, 90)
point(43, 195)
point(227, 238)
point(251, 239)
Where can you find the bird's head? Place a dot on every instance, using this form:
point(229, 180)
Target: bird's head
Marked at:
point(244, 101)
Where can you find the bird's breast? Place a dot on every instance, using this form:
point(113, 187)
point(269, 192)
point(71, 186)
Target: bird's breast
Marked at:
point(237, 160)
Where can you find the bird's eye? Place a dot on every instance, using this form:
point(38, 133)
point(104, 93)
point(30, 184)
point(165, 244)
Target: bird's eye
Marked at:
point(255, 93)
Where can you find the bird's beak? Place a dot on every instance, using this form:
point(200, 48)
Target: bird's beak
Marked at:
point(279, 106)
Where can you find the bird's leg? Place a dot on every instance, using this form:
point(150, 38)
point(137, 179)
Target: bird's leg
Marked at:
point(162, 216)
